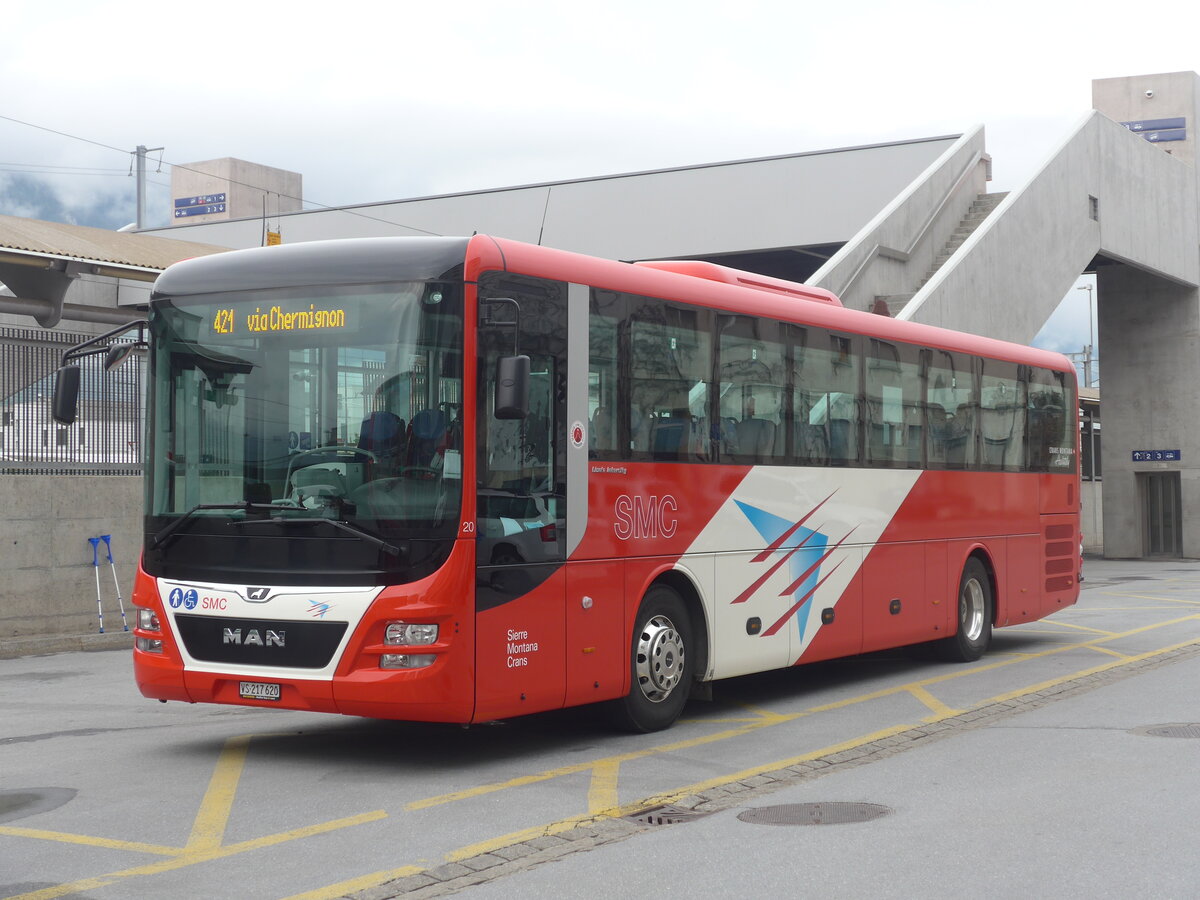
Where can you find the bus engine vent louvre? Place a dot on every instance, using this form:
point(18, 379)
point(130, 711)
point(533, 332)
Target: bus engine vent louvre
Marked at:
point(814, 813)
point(667, 815)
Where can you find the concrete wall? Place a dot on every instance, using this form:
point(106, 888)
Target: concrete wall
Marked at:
point(251, 190)
point(1012, 273)
point(1143, 98)
point(1091, 496)
point(1150, 331)
point(897, 247)
point(47, 581)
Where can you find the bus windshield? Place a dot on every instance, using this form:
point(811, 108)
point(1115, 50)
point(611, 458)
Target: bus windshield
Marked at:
point(339, 410)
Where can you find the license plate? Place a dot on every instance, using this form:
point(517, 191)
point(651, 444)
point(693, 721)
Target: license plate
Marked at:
point(259, 690)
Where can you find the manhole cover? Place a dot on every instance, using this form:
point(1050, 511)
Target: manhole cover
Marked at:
point(666, 815)
point(22, 802)
point(814, 814)
point(1186, 730)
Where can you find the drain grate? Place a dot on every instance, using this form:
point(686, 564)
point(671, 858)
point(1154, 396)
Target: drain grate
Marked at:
point(814, 814)
point(667, 815)
point(1185, 730)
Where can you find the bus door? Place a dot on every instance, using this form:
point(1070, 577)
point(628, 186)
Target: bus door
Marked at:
point(521, 502)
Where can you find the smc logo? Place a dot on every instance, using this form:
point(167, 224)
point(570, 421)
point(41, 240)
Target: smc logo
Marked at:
point(645, 517)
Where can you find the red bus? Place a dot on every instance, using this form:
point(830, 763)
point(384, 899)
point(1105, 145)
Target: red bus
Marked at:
point(463, 479)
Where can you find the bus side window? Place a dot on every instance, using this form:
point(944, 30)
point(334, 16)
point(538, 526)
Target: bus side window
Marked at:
point(1002, 418)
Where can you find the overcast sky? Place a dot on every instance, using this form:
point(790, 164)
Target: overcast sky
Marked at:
point(381, 101)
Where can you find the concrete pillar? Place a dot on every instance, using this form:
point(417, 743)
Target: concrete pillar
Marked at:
point(1149, 371)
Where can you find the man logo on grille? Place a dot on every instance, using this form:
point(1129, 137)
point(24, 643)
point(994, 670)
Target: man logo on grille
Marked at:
point(257, 594)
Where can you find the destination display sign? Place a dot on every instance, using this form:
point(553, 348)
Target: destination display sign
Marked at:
point(280, 318)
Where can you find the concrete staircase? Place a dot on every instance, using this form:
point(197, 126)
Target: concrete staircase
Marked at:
point(979, 210)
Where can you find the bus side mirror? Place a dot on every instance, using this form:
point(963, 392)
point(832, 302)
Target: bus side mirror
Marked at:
point(512, 387)
point(66, 395)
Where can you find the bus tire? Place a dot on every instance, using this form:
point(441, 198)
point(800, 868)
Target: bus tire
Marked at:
point(660, 664)
point(974, 617)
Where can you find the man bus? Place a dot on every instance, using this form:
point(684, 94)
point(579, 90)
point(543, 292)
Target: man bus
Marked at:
point(463, 479)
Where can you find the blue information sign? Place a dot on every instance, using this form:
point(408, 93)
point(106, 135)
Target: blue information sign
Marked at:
point(182, 211)
point(1157, 456)
point(201, 200)
point(1168, 134)
point(1156, 124)
point(1159, 130)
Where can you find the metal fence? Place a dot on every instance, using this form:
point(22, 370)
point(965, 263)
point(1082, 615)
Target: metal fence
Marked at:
point(106, 438)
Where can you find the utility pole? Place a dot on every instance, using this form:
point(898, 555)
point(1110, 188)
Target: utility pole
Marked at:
point(141, 182)
point(1091, 347)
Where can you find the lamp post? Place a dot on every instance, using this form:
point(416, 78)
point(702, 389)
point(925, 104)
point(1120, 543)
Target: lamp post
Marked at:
point(1091, 347)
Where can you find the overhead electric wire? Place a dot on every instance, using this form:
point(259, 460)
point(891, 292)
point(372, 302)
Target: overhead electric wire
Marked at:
point(255, 187)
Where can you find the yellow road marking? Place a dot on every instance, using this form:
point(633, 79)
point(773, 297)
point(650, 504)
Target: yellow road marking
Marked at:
point(940, 709)
point(602, 792)
point(1108, 651)
point(1062, 624)
point(517, 837)
point(191, 857)
point(1115, 664)
point(1164, 599)
point(208, 830)
point(765, 720)
point(685, 744)
point(350, 886)
point(87, 841)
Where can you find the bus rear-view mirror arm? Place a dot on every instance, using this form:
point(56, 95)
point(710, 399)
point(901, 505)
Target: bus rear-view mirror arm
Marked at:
point(65, 400)
point(511, 400)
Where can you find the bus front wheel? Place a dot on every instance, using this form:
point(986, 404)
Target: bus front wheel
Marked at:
point(660, 668)
point(974, 619)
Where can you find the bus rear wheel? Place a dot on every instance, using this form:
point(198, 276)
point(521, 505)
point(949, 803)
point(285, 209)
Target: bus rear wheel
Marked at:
point(974, 619)
point(660, 673)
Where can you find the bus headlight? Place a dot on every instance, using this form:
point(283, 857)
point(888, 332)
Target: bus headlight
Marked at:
point(411, 634)
point(149, 645)
point(147, 620)
point(406, 660)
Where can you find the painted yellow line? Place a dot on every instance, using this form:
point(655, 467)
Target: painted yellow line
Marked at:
point(501, 842)
point(766, 720)
point(684, 744)
point(602, 792)
point(352, 885)
point(936, 706)
point(1138, 609)
point(1109, 651)
point(1062, 624)
point(191, 857)
point(1164, 599)
point(208, 830)
point(87, 841)
point(1083, 673)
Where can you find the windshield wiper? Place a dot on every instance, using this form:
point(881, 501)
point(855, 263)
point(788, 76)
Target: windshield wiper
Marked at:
point(355, 530)
point(163, 536)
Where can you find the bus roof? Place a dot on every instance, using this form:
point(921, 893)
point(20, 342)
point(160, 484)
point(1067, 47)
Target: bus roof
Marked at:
point(374, 260)
point(669, 283)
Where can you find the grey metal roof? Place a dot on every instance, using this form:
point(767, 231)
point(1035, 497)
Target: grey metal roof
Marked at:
point(122, 252)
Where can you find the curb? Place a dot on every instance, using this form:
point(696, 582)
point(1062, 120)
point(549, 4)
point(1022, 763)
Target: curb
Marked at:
point(43, 644)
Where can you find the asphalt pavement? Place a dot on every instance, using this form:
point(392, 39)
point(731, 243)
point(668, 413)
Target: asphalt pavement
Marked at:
point(1063, 764)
